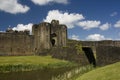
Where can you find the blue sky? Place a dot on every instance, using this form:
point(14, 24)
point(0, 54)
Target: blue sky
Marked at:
point(85, 19)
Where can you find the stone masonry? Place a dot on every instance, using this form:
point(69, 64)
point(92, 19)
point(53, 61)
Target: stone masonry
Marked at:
point(44, 37)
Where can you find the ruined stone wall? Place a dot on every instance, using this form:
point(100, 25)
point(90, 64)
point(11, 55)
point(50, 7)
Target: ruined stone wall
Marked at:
point(44, 37)
point(70, 53)
point(107, 52)
point(48, 35)
point(44, 34)
point(41, 33)
point(55, 33)
point(64, 35)
point(101, 43)
point(16, 44)
point(107, 55)
point(61, 33)
point(60, 38)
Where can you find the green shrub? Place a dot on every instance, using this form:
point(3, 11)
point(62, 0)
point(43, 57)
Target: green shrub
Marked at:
point(79, 48)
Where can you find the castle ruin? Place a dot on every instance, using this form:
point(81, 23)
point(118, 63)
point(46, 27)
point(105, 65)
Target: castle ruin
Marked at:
point(51, 38)
point(44, 37)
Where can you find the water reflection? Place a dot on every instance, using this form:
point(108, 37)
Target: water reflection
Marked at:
point(45, 74)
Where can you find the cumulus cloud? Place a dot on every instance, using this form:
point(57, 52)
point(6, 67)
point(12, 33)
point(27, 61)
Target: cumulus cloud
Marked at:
point(96, 37)
point(75, 37)
point(44, 2)
point(105, 26)
point(113, 14)
point(22, 27)
point(13, 7)
point(117, 24)
point(89, 24)
point(75, 19)
point(70, 19)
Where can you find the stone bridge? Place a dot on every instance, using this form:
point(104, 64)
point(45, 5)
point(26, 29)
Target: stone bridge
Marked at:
point(98, 53)
point(106, 52)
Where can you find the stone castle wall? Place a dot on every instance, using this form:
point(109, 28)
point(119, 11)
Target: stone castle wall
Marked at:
point(41, 33)
point(44, 37)
point(51, 38)
point(48, 35)
point(101, 43)
point(16, 43)
point(107, 55)
point(107, 52)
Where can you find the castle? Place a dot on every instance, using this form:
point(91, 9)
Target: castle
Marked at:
point(51, 38)
point(44, 37)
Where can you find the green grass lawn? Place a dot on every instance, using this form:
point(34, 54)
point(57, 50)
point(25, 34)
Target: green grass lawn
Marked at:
point(27, 63)
point(110, 72)
point(29, 60)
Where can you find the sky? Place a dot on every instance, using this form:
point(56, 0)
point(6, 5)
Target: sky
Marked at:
point(93, 20)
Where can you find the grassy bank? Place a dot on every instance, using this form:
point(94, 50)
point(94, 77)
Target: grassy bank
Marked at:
point(110, 72)
point(28, 63)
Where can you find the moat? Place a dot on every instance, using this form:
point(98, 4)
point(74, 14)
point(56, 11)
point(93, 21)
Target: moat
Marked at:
point(66, 73)
point(46, 74)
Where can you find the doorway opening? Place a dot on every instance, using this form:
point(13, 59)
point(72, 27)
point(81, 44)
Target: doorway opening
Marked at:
point(53, 42)
point(53, 39)
point(90, 55)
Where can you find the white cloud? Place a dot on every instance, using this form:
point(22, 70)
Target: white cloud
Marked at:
point(44, 2)
point(97, 37)
point(117, 24)
point(2, 31)
point(113, 14)
point(75, 37)
point(89, 24)
point(70, 19)
point(13, 7)
point(22, 27)
point(105, 26)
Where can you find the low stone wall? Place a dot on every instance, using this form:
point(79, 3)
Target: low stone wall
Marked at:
point(69, 53)
point(107, 55)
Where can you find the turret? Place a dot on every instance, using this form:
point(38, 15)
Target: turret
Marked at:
point(54, 23)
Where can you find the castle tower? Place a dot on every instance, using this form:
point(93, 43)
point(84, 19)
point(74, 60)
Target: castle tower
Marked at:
point(58, 33)
point(48, 35)
point(41, 34)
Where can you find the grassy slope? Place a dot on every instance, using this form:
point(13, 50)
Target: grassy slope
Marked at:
point(28, 60)
point(25, 63)
point(110, 72)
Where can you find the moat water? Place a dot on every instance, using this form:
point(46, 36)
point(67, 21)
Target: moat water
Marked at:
point(46, 74)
